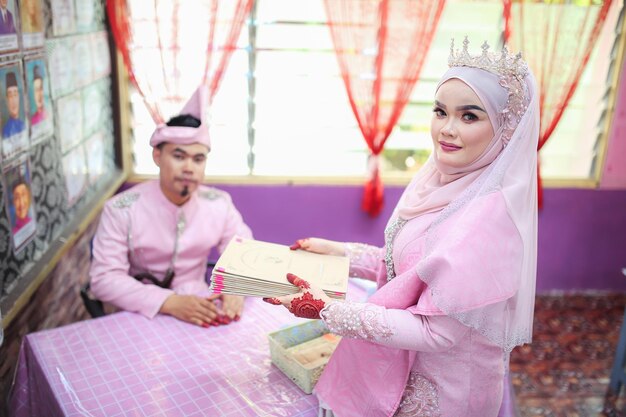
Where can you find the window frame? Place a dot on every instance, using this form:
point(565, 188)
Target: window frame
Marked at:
point(604, 128)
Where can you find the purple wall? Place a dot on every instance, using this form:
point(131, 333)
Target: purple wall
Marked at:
point(582, 240)
point(582, 233)
point(284, 213)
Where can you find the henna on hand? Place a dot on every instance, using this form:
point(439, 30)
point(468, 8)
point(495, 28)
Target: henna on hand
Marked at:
point(273, 300)
point(297, 281)
point(306, 306)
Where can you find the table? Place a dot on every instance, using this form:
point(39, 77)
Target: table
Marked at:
point(124, 364)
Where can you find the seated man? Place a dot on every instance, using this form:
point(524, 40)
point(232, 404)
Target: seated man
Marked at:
point(153, 240)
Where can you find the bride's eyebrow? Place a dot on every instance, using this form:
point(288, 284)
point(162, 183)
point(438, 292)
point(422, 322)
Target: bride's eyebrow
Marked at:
point(461, 108)
point(470, 107)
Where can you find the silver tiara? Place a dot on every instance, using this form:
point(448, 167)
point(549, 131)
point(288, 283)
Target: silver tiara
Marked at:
point(511, 70)
point(503, 63)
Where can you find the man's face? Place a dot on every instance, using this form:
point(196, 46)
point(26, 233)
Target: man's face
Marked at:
point(3, 4)
point(13, 99)
point(181, 166)
point(21, 200)
point(38, 92)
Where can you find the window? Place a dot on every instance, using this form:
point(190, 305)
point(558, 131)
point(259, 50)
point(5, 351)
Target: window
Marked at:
point(569, 153)
point(282, 109)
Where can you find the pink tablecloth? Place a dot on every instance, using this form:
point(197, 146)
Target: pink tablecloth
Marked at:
point(126, 365)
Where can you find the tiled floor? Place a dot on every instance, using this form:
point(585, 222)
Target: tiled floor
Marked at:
point(565, 371)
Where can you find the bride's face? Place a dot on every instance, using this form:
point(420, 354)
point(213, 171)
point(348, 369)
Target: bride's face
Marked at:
point(460, 127)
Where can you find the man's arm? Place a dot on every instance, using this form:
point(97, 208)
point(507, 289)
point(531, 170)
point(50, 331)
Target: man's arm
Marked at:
point(109, 272)
point(232, 305)
point(233, 226)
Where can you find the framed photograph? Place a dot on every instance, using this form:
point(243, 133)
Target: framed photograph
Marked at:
point(19, 202)
point(87, 15)
point(12, 114)
point(60, 63)
point(63, 22)
point(94, 149)
point(69, 120)
point(8, 26)
point(101, 54)
point(93, 106)
point(40, 112)
point(75, 171)
point(31, 18)
point(82, 59)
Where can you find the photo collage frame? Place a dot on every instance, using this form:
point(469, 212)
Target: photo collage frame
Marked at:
point(54, 87)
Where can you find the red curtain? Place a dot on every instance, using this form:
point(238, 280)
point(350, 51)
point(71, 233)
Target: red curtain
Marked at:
point(556, 39)
point(381, 46)
point(170, 47)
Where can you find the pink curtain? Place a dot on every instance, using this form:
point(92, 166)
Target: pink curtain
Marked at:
point(556, 39)
point(170, 47)
point(381, 46)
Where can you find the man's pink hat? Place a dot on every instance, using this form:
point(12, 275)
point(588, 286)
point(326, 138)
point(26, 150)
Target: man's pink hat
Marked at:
point(197, 106)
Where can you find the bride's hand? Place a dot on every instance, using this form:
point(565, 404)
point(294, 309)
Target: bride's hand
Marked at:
point(307, 303)
point(322, 246)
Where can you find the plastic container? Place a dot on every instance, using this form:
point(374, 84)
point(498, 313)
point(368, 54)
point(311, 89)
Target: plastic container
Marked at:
point(302, 352)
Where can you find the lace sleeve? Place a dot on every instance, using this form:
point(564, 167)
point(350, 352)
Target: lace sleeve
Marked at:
point(365, 260)
point(394, 328)
point(356, 320)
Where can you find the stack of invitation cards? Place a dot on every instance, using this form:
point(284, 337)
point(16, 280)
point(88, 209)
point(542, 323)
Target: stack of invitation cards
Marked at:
point(259, 269)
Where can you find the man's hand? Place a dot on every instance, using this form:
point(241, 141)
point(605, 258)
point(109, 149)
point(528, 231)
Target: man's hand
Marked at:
point(307, 303)
point(201, 311)
point(322, 246)
point(232, 306)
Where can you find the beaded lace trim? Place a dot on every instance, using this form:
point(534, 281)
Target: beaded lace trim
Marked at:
point(390, 234)
point(420, 398)
point(356, 320)
point(210, 194)
point(125, 200)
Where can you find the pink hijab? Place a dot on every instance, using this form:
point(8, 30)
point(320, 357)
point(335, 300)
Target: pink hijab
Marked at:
point(492, 289)
point(436, 184)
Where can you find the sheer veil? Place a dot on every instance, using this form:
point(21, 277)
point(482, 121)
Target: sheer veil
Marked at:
point(491, 294)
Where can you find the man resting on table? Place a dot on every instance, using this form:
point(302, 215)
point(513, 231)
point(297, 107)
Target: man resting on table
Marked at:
point(152, 244)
